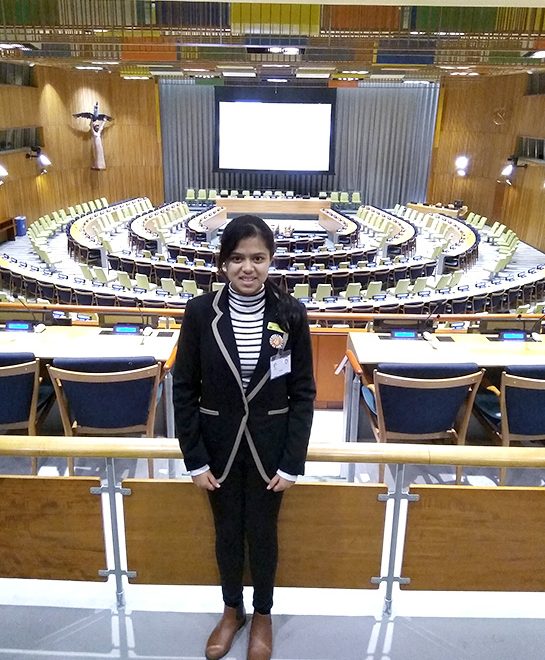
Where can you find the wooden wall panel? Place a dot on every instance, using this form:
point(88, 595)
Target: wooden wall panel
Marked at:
point(131, 141)
point(330, 535)
point(475, 539)
point(51, 528)
point(470, 124)
point(328, 349)
point(18, 106)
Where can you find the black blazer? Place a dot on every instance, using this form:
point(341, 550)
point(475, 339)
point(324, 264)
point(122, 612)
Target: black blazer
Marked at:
point(213, 413)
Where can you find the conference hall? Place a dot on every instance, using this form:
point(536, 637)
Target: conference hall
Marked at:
point(397, 153)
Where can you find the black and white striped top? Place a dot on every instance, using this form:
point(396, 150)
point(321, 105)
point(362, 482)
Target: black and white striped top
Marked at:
point(247, 314)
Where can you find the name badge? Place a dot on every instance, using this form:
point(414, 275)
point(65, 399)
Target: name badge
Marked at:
point(280, 364)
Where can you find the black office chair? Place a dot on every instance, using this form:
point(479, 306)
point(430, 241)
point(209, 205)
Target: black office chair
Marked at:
point(340, 280)
point(278, 279)
point(204, 278)
point(181, 273)
point(316, 277)
point(161, 269)
point(64, 294)
point(282, 261)
point(105, 299)
point(114, 262)
point(46, 290)
point(363, 277)
point(128, 265)
point(106, 396)
point(292, 278)
point(84, 297)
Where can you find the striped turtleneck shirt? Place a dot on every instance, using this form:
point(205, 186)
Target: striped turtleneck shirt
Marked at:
point(247, 314)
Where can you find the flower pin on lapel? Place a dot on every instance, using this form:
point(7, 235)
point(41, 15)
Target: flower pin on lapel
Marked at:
point(276, 341)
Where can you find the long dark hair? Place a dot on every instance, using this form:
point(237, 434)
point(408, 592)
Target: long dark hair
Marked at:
point(289, 309)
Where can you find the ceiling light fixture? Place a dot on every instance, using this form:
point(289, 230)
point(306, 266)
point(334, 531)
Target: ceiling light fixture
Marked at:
point(309, 74)
point(238, 74)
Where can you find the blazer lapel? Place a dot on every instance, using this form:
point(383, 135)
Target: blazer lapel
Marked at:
point(223, 333)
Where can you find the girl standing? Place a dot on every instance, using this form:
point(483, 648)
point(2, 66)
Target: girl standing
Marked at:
point(244, 397)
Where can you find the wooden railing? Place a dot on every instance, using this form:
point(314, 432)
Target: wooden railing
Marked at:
point(168, 448)
point(331, 535)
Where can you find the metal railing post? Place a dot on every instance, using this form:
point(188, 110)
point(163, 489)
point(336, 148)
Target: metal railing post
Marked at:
point(111, 487)
point(397, 495)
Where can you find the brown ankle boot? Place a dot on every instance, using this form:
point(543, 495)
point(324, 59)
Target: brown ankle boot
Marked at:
point(221, 639)
point(260, 644)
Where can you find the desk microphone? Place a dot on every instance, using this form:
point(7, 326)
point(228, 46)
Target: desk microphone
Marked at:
point(535, 332)
point(431, 339)
point(431, 313)
point(38, 326)
point(139, 305)
point(146, 332)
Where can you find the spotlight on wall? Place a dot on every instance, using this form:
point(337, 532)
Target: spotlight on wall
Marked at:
point(41, 159)
point(512, 163)
point(461, 164)
point(3, 174)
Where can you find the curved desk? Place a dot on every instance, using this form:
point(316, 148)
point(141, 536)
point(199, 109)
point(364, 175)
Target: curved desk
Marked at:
point(208, 222)
point(281, 205)
point(432, 208)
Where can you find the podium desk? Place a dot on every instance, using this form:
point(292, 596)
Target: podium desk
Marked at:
point(285, 205)
point(431, 208)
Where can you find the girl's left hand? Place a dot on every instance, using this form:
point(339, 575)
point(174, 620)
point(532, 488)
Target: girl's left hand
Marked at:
point(278, 484)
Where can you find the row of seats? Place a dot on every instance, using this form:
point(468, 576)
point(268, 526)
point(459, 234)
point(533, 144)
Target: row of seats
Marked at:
point(95, 396)
point(130, 275)
point(210, 195)
point(428, 402)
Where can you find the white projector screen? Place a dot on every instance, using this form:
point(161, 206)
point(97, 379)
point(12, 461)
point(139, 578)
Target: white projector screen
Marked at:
point(291, 137)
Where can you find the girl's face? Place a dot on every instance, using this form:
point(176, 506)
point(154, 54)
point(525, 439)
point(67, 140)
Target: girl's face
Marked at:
point(248, 265)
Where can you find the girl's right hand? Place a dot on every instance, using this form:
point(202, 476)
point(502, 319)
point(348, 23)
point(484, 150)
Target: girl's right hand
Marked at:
point(206, 481)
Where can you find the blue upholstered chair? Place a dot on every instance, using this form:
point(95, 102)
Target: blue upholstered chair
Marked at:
point(20, 394)
point(421, 402)
point(107, 396)
point(516, 412)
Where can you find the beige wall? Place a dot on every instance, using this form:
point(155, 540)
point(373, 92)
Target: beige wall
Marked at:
point(468, 124)
point(131, 141)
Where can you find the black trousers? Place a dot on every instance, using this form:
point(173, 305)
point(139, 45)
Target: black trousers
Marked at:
point(244, 510)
